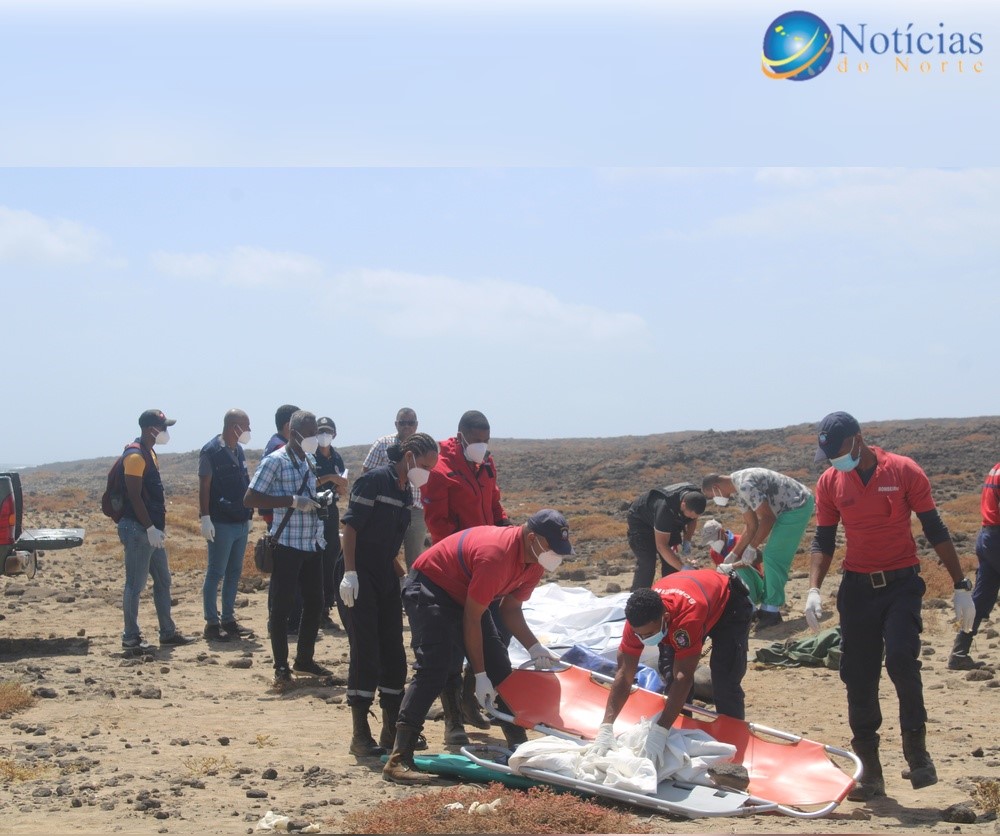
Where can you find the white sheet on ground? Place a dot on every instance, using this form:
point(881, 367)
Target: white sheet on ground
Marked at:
point(562, 616)
point(688, 755)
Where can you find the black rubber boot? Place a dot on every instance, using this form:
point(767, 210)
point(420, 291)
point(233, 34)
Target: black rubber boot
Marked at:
point(514, 735)
point(362, 743)
point(451, 704)
point(389, 703)
point(961, 659)
point(872, 782)
point(470, 705)
point(921, 772)
point(400, 768)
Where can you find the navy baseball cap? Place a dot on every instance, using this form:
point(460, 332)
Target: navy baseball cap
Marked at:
point(836, 428)
point(325, 423)
point(155, 418)
point(553, 527)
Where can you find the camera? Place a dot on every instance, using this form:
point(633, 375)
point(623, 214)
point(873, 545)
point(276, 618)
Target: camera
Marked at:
point(325, 499)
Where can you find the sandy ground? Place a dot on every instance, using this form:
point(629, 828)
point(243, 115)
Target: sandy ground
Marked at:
point(180, 741)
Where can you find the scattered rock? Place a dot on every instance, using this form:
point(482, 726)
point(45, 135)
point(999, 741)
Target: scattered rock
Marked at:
point(65, 599)
point(73, 669)
point(223, 741)
point(45, 693)
point(256, 793)
point(41, 792)
point(242, 663)
point(269, 774)
point(959, 814)
point(150, 693)
point(980, 675)
point(978, 752)
point(612, 588)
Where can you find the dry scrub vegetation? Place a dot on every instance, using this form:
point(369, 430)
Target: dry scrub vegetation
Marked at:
point(537, 810)
point(14, 697)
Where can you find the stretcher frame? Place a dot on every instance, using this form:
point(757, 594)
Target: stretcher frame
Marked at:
point(756, 744)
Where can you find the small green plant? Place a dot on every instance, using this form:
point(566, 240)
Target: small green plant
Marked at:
point(539, 810)
point(987, 796)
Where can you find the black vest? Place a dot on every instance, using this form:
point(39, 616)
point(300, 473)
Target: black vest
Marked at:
point(152, 491)
point(230, 481)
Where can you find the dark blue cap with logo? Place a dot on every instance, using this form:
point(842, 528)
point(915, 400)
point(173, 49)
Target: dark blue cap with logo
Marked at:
point(553, 527)
point(834, 430)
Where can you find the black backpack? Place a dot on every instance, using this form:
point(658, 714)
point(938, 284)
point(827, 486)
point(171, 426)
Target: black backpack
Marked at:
point(113, 499)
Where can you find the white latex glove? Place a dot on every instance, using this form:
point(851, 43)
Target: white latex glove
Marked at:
point(726, 568)
point(749, 555)
point(156, 537)
point(304, 503)
point(485, 692)
point(656, 742)
point(207, 529)
point(543, 658)
point(605, 740)
point(814, 609)
point(686, 547)
point(965, 610)
point(349, 588)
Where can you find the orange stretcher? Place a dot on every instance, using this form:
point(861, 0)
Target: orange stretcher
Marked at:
point(788, 773)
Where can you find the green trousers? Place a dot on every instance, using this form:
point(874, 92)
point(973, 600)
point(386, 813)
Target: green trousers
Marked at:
point(780, 551)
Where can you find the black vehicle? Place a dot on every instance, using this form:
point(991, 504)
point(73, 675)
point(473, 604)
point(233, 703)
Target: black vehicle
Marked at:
point(21, 548)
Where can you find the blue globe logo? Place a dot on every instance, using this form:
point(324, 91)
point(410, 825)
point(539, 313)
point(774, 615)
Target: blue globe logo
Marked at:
point(797, 46)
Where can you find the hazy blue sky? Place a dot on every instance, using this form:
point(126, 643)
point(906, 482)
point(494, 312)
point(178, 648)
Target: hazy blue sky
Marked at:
point(581, 219)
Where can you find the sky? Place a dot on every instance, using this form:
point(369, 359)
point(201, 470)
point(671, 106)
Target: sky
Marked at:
point(582, 219)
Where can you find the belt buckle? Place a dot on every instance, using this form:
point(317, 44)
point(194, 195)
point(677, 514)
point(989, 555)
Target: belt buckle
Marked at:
point(877, 579)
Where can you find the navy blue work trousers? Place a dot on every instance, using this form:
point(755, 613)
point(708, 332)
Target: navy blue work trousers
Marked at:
point(877, 621)
point(987, 588)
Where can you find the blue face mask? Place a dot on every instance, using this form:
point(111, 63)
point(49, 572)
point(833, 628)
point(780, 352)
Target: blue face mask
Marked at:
point(847, 462)
point(655, 639)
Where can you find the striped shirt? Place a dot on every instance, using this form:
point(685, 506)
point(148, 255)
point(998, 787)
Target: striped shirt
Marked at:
point(378, 456)
point(278, 475)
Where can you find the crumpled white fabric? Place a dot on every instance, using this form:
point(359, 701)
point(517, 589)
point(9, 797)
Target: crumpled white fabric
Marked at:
point(273, 821)
point(688, 755)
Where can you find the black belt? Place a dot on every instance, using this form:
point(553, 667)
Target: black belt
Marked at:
point(880, 579)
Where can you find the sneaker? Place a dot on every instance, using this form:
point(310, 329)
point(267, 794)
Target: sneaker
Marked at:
point(214, 633)
point(311, 667)
point(177, 640)
point(282, 676)
point(963, 662)
point(768, 618)
point(234, 628)
point(138, 643)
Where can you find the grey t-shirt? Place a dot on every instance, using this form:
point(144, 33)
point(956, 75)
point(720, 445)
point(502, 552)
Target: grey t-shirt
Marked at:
point(756, 485)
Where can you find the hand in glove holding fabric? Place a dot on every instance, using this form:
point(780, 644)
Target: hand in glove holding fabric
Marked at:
point(542, 656)
point(485, 692)
point(749, 555)
point(304, 503)
point(207, 529)
point(656, 743)
point(605, 740)
point(814, 609)
point(965, 610)
point(350, 587)
point(727, 568)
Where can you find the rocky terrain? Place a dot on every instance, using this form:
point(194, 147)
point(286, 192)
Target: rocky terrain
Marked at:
point(193, 738)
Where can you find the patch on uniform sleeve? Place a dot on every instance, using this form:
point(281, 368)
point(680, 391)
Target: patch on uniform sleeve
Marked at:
point(681, 638)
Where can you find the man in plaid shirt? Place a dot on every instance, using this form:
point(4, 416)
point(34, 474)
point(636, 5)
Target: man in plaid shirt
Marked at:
point(285, 480)
point(416, 532)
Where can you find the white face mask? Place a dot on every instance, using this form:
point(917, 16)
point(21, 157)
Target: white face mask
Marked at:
point(548, 559)
point(162, 437)
point(720, 500)
point(244, 437)
point(717, 546)
point(325, 439)
point(476, 453)
point(309, 444)
point(418, 476)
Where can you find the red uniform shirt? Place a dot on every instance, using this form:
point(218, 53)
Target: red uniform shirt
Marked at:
point(988, 501)
point(460, 494)
point(876, 516)
point(481, 563)
point(694, 601)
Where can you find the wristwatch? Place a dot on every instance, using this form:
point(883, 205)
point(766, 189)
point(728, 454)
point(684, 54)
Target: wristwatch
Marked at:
point(965, 584)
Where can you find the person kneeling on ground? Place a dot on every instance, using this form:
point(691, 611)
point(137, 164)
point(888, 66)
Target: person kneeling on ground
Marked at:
point(447, 598)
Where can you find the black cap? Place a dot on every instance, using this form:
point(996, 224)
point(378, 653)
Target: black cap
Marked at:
point(326, 424)
point(553, 527)
point(836, 428)
point(155, 418)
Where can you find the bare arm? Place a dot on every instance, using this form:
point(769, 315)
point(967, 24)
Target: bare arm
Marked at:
point(679, 689)
point(949, 557)
point(133, 486)
point(621, 687)
point(256, 499)
point(765, 522)
point(665, 550)
point(819, 565)
point(349, 544)
point(472, 630)
point(750, 524)
point(513, 618)
point(204, 492)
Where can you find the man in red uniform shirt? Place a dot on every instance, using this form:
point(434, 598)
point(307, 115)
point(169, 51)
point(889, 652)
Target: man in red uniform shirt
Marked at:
point(462, 493)
point(984, 595)
point(446, 599)
point(677, 614)
point(874, 494)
